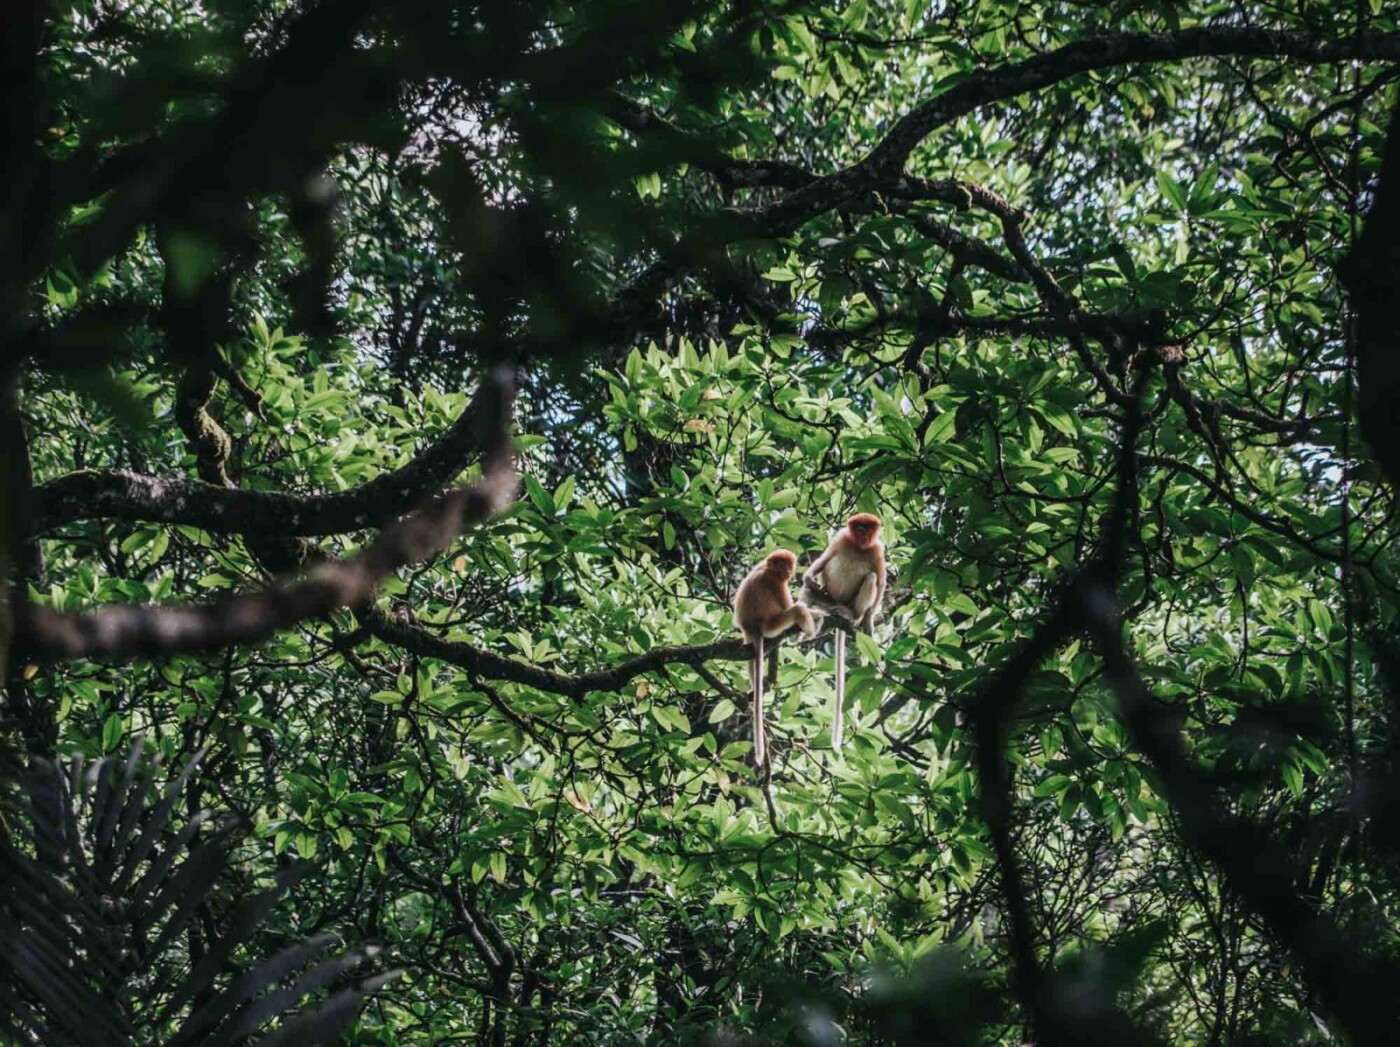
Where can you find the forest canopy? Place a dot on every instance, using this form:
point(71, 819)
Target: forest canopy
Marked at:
point(394, 395)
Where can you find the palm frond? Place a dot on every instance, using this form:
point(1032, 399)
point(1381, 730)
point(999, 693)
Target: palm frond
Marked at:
point(99, 885)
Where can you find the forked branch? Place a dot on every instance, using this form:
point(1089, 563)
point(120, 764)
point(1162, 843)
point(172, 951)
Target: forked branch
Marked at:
point(125, 631)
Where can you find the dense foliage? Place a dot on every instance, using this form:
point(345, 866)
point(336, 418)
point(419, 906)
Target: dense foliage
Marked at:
point(1057, 290)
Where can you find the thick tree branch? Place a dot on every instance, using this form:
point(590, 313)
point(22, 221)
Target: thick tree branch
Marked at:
point(969, 249)
point(497, 667)
point(635, 306)
point(121, 495)
point(1027, 325)
point(489, 665)
point(1354, 987)
point(126, 631)
point(1252, 863)
point(687, 147)
point(1372, 274)
point(1115, 50)
point(883, 168)
point(885, 163)
point(1279, 526)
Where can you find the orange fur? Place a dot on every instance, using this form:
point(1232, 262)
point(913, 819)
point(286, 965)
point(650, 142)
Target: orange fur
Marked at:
point(763, 608)
point(851, 572)
point(852, 557)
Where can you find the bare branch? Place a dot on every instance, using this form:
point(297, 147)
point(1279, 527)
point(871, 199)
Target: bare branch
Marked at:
point(489, 665)
point(493, 666)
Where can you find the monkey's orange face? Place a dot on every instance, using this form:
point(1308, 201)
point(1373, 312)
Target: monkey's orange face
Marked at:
point(782, 563)
point(864, 528)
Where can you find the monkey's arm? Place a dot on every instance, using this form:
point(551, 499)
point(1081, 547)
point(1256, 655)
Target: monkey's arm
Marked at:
point(799, 614)
point(814, 596)
point(811, 578)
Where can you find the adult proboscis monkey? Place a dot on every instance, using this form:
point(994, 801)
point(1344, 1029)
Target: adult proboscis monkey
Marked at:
point(764, 609)
point(850, 579)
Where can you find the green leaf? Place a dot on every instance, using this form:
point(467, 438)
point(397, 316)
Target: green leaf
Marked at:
point(722, 711)
point(112, 731)
point(1172, 190)
point(869, 649)
point(941, 429)
point(564, 493)
point(542, 499)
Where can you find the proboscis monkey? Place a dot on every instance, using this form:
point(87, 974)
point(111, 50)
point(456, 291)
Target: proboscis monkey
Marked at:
point(849, 576)
point(764, 609)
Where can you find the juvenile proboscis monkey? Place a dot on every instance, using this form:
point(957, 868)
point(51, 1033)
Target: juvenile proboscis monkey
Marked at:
point(764, 609)
point(849, 578)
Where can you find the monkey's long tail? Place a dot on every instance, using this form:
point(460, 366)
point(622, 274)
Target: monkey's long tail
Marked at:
point(838, 706)
point(760, 740)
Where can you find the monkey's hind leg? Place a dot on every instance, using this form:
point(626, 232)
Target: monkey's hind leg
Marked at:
point(838, 706)
point(864, 604)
